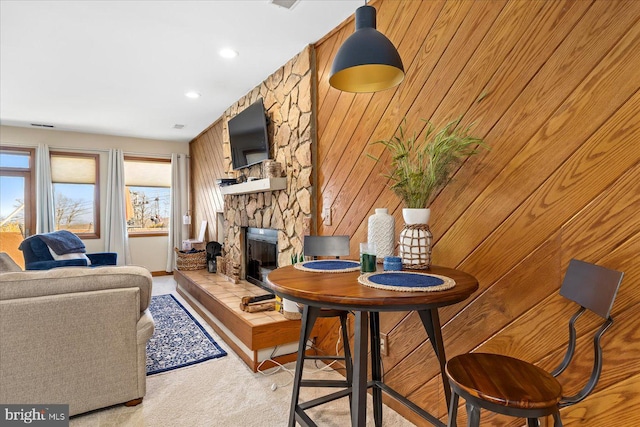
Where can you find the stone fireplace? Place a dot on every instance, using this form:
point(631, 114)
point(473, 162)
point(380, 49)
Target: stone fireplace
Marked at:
point(287, 95)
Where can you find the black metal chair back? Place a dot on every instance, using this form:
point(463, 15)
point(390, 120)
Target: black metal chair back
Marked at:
point(594, 288)
point(315, 246)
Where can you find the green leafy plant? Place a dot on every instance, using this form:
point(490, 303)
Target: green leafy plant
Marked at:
point(419, 169)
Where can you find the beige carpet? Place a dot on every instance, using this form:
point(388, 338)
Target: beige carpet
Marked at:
point(223, 393)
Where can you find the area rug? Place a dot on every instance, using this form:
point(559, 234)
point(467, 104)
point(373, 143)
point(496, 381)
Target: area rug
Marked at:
point(178, 340)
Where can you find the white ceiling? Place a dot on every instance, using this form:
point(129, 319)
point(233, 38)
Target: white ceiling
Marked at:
point(123, 67)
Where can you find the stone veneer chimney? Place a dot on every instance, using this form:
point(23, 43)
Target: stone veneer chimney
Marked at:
point(287, 96)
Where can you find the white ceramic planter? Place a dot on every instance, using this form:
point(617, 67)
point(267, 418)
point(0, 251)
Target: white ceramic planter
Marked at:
point(416, 216)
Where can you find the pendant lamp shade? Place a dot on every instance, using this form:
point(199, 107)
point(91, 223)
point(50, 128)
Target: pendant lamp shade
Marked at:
point(367, 61)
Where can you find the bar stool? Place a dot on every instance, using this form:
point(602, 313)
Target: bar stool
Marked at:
point(517, 388)
point(325, 246)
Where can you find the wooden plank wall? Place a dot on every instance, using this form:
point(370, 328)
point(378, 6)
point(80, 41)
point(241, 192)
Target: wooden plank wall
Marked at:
point(552, 86)
point(207, 165)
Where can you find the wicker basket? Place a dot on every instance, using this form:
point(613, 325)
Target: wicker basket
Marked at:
point(191, 260)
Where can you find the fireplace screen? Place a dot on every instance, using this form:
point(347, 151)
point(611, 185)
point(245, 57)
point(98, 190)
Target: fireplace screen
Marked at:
point(261, 253)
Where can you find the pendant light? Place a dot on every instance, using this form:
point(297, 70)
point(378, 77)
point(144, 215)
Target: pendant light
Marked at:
point(367, 61)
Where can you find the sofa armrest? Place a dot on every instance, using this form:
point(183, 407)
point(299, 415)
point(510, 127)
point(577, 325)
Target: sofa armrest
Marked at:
point(76, 348)
point(7, 263)
point(48, 265)
point(103, 258)
point(145, 327)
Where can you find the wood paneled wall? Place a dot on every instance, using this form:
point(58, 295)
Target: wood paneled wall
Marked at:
point(552, 86)
point(207, 165)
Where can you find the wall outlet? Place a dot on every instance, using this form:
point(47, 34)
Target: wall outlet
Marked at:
point(384, 345)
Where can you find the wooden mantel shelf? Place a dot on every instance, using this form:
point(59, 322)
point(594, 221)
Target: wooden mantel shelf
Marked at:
point(256, 186)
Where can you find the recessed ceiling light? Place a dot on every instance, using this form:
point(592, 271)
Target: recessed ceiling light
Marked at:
point(192, 94)
point(228, 53)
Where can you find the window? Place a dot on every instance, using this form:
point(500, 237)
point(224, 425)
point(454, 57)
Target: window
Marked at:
point(76, 193)
point(17, 196)
point(148, 195)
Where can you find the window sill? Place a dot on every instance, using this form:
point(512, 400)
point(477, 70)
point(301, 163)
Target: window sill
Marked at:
point(135, 235)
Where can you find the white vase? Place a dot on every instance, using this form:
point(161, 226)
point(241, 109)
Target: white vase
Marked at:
point(415, 239)
point(381, 230)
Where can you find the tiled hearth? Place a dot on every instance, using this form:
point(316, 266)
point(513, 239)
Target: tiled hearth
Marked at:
point(253, 336)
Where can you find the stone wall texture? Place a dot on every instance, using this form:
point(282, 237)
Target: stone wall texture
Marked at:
point(287, 96)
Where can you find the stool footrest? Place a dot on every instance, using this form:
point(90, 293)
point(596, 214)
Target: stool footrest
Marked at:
point(324, 383)
point(324, 399)
point(314, 357)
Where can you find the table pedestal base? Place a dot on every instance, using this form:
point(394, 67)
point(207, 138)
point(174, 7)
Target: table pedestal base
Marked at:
point(364, 322)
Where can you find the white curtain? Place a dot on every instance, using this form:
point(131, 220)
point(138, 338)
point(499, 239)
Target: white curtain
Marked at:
point(116, 239)
point(179, 206)
point(45, 219)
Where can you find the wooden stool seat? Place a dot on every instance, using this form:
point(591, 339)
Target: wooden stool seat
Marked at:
point(504, 381)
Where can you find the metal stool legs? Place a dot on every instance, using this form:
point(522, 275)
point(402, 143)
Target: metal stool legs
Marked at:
point(348, 363)
point(309, 317)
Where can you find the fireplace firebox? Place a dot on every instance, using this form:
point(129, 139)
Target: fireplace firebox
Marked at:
point(261, 254)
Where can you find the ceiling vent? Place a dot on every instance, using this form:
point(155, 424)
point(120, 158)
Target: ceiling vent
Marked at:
point(287, 4)
point(40, 125)
point(177, 126)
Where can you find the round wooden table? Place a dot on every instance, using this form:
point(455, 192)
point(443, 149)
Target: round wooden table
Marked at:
point(342, 291)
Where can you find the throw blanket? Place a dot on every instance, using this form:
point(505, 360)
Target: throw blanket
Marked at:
point(63, 242)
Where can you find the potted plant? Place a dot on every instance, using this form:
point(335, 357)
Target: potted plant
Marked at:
point(420, 168)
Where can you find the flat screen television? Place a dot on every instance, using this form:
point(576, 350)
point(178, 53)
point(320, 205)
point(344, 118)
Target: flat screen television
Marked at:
point(248, 136)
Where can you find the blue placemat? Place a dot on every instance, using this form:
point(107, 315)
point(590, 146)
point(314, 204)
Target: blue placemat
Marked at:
point(329, 266)
point(407, 281)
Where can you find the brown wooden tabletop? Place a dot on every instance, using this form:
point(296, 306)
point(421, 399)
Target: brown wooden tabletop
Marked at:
point(343, 291)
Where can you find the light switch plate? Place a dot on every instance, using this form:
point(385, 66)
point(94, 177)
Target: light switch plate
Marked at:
point(326, 215)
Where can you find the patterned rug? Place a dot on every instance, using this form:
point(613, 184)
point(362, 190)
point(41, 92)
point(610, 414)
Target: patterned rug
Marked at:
point(178, 340)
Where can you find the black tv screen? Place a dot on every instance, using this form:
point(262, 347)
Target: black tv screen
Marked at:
point(248, 136)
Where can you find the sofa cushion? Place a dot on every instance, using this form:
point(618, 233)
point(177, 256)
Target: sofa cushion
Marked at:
point(7, 263)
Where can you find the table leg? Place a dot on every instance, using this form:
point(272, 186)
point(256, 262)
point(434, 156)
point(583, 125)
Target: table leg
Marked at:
point(309, 316)
point(359, 397)
point(431, 321)
point(376, 367)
